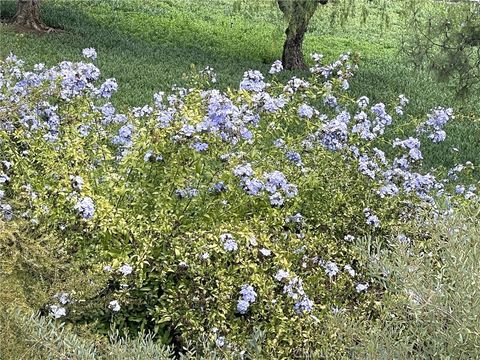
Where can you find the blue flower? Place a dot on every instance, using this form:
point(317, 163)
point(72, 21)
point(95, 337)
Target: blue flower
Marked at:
point(421, 184)
point(334, 133)
point(276, 67)
point(281, 274)
point(253, 186)
point(367, 166)
point(248, 293)
point(363, 127)
point(244, 170)
point(124, 136)
point(438, 117)
point(188, 130)
point(380, 155)
point(295, 84)
point(125, 269)
point(229, 244)
point(114, 305)
point(349, 238)
point(330, 100)
point(148, 156)
point(275, 180)
point(4, 178)
point(248, 297)
point(276, 199)
point(363, 102)
point(361, 287)
point(85, 207)
point(272, 104)
point(316, 57)
point(242, 306)
point(143, 111)
point(77, 182)
point(403, 100)
point(294, 157)
point(7, 211)
point(253, 81)
point(305, 305)
point(415, 154)
point(90, 53)
point(165, 118)
point(331, 269)
point(220, 341)
point(246, 134)
point(290, 190)
point(297, 218)
point(348, 268)
point(410, 143)
point(372, 219)
point(108, 88)
point(438, 136)
point(218, 187)
point(305, 111)
point(294, 288)
point(57, 311)
point(279, 143)
point(158, 99)
point(200, 146)
point(389, 189)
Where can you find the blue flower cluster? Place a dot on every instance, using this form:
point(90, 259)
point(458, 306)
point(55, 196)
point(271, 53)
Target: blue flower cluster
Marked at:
point(248, 297)
point(306, 111)
point(229, 243)
point(68, 80)
point(436, 121)
point(124, 137)
point(371, 219)
point(253, 81)
point(294, 290)
point(274, 183)
point(85, 208)
point(277, 67)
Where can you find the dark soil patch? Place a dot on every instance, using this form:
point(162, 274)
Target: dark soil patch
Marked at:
point(28, 30)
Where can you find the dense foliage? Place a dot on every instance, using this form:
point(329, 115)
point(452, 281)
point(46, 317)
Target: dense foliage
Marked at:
point(220, 213)
point(446, 40)
point(430, 291)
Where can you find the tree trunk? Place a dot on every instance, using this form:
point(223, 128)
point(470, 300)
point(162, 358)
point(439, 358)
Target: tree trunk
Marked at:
point(28, 16)
point(298, 14)
point(292, 57)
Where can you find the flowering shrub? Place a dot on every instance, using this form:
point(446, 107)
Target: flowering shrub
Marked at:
point(210, 212)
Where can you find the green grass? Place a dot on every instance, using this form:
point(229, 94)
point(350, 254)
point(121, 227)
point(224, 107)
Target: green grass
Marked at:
point(148, 45)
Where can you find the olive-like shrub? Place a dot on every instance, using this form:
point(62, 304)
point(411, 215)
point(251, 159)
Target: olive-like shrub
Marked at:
point(209, 213)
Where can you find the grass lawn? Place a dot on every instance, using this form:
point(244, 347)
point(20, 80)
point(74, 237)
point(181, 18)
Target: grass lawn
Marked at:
point(148, 45)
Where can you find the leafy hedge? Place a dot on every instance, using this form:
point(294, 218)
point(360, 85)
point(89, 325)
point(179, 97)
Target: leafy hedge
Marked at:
point(213, 214)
